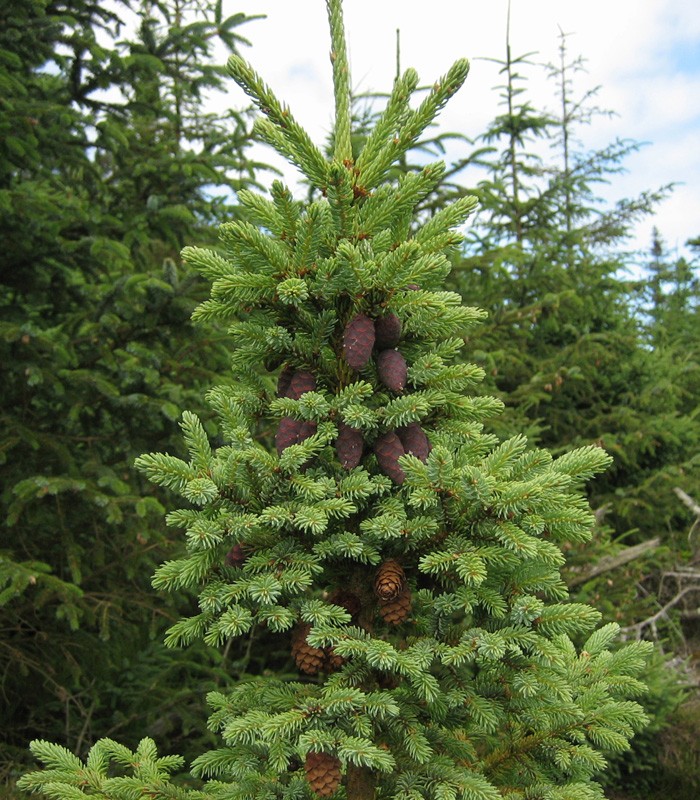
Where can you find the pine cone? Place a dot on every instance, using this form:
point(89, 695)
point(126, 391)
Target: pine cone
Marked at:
point(387, 331)
point(347, 600)
point(284, 381)
point(392, 369)
point(389, 580)
point(287, 433)
point(349, 446)
point(396, 610)
point(388, 449)
point(414, 440)
point(413, 287)
point(333, 660)
point(323, 773)
point(235, 556)
point(308, 659)
point(301, 382)
point(358, 341)
point(306, 429)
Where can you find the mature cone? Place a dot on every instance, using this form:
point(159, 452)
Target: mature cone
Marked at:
point(284, 381)
point(347, 600)
point(333, 660)
point(388, 449)
point(358, 341)
point(308, 659)
point(301, 382)
point(235, 556)
point(349, 446)
point(287, 433)
point(392, 369)
point(387, 331)
point(396, 610)
point(389, 580)
point(414, 440)
point(323, 773)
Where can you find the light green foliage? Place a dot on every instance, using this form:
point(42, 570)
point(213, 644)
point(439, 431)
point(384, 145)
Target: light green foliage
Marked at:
point(481, 691)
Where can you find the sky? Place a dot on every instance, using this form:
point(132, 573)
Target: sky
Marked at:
point(643, 54)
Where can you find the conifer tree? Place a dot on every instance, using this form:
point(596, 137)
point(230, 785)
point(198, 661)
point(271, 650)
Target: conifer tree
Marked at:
point(359, 511)
point(99, 192)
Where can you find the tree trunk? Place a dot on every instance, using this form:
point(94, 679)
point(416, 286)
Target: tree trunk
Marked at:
point(361, 783)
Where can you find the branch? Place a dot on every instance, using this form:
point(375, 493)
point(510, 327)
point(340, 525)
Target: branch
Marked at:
point(687, 500)
point(638, 627)
point(608, 563)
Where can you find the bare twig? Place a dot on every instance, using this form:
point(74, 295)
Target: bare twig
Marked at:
point(687, 500)
point(650, 622)
point(612, 562)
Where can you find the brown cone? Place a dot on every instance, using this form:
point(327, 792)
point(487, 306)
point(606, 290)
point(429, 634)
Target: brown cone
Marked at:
point(323, 773)
point(235, 556)
point(396, 610)
point(414, 440)
point(358, 341)
point(284, 380)
point(287, 433)
point(349, 446)
point(301, 382)
point(392, 369)
point(389, 580)
point(387, 330)
point(388, 449)
point(308, 659)
point(333, 660)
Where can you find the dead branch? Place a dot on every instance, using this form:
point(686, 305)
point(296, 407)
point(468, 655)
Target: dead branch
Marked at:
point(608, 563)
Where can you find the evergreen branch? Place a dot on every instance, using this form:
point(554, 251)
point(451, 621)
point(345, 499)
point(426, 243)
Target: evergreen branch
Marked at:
point(341, 83)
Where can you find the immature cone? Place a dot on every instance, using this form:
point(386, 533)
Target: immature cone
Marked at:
point(308, 659)
point(390, 580)
point(396, 610)
point(392, 370)
point(388, 449)
point(235, 556)
point(284, 381)
point(358, 341)
point(307, 429)
point(287, 433)
point(301, 382)
point(414, 440)
point(387, 331)
point(323, 773)
point(349, 446)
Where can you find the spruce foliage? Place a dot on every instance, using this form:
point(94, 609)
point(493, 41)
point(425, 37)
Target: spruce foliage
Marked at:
point(420, 590)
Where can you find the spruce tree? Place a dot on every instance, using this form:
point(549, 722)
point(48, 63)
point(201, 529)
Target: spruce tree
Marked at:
point(358, 511)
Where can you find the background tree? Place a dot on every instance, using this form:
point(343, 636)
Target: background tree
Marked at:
point(108, 166)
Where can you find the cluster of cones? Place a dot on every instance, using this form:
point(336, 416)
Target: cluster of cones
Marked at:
point(350, 444)
point(394, 604)
point(362, 335)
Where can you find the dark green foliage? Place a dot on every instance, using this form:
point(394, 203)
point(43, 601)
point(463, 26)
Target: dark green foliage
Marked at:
point(107, 168)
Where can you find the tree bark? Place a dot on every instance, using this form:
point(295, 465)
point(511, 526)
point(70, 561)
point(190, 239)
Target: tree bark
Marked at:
point(361, 783)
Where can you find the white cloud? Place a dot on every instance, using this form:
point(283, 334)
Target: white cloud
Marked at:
point(632, 49)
